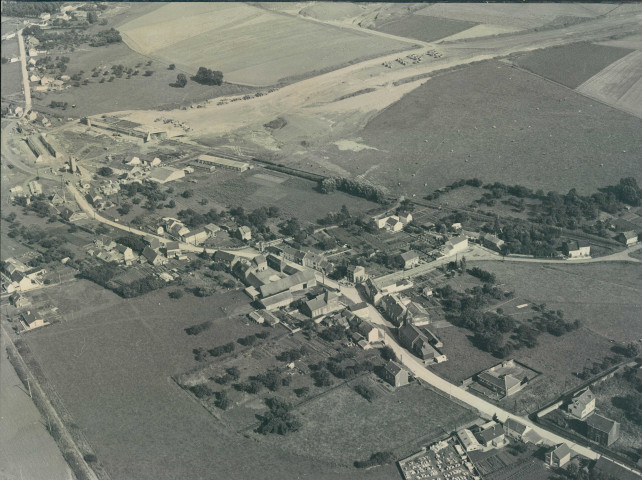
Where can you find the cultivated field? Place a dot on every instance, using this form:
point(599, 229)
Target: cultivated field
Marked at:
point(500, 124)
point(248, 44)
point(480, 31)
point(342, 426)
point(521, 16)
point(619, 84)
point(572, 64)
point(422, 27)
point(11, 77)
point(111, 363)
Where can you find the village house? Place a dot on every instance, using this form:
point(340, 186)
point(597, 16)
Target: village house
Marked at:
point(575, 249)
point(417, 314)
point(229, 259)
point(602, 430)
point(18, 301)
point(259, 263)
point(361, 309)
point(153, 257)
point(414, 340)
point(315, 261)
point(492, 435)
point(244, 233)
point(582, 404)
point(394, 374)
point(408, 259)
point(515, 429)
point(394, 308)
point(31, 320)
point(172, 249)
point(298, 281)
point(375, 293)
point(628, 238)
point(456, 245)
point(559, 455)
point(493, 242)
point(212, 229)
point(369, 332)
point(70, 216)
point(322, 304)
point(503, 383)
point(152, 242)
point(356, 274)
point(127, 253)
point(196, 237)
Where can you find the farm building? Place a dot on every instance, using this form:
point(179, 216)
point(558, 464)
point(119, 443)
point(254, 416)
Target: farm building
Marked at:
point(259, 263)
point(376, 293)
point(323, 304)
point(357, 274)
point(165, 174)
point(408, 259)
point(582, 404)
point(37, 148)
point(172, 249)
point(298, 281)
point(276, 301)
point(51, 145)
point(394, 308)
point(576, 249)
point(493, 242)
point(602, 430)
point(212, 229)
point(417, 314)
point(35, 188)
point(71, 216)
point(153, 256)
point(369, 332)
point(18, 301)
point(394, 374)
point(314, 260)
point(196, 237)
point(211, 160)
point(559, 456)
point(628, 238)
point(229, 259)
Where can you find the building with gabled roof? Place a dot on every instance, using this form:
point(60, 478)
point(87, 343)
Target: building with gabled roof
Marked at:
point(582, 404)
point(153, 257)
point(408, 259)
point(414, 340)
point(369, 332)
point(628, 238)
point(559, 456)
point(229, 259)
point(602, 430)
point(574, 249)
point(356, 273)
point(394, 374)
point(298, 281)
point(361, 309)
point(323, 304)
point(394, 308)
point(514, 428)
point(31, 319)
point(493, 242)
point(492, 436)
point(468, 440)
point(278, 300)
point(165, 174)
point(244, 232)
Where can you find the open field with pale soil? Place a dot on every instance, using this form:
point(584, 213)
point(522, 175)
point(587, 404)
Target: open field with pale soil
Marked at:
point(572, 64)
point(248, 44)
point(27, 450)
point(423, 27)
point(619, 84)
point(111, 362)
point(497, 123)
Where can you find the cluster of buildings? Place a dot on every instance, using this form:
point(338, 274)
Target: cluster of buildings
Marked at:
point(393, 223)
point(312, 260)
point(178, 230)
point(125, 127)
point(44, 147)
point(107, 250)
point(212, 162)
point(599, 429)
point(442, 460)
point(18, 277)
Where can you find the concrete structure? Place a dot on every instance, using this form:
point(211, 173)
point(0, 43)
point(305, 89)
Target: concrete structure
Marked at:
point(357, 274)
point(394, 374)
point(218, 162)
point(576, 249)
point(582, 404)
point(165, 174)
point(602, 430)
point(559, 456)
point(408, 259)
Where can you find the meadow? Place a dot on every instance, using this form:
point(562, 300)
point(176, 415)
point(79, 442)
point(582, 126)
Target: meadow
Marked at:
point(111, 363)
point(499, 124)
point(249, 45)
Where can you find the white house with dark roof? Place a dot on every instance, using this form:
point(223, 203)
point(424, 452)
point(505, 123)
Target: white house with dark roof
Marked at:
point(559, 456)
point(408, 259)
point(582, 404)
point(395, 374)
point(457, 245)
point(628, 238)
point(574, 249)
point(515, 429)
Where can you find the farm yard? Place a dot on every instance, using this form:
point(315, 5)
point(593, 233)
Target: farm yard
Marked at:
point(240, 41)
point(495, 121)
point(571, 64)
point(111, 361)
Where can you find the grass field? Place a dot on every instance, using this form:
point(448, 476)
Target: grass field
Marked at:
point(343, 427)
point(499, 124)
point(423, 27)
point(11, 77)
point(572, 64)
point(619, 84)
point(111, 362)
point(248, 44)
point(138, 92)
